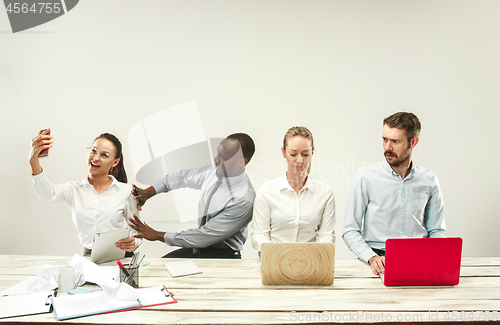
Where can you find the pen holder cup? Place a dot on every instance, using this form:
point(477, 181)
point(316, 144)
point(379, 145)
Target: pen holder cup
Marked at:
point(133, 278)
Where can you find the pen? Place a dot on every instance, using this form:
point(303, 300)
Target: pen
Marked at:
point(134, 259)
point(134, 284)
point(123, 268)
point(139, 264)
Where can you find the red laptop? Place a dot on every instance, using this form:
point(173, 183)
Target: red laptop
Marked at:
point(422, 261)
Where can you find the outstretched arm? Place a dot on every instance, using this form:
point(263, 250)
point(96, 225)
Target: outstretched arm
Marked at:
point(190, 178)
point(219, 228)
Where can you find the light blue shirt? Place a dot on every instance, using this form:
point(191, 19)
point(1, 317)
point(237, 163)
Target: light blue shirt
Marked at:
point(381, 206)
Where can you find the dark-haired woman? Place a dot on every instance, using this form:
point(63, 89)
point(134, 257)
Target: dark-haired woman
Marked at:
point(102, 201)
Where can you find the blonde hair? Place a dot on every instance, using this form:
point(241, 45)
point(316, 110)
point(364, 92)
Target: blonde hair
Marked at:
point(298, 130)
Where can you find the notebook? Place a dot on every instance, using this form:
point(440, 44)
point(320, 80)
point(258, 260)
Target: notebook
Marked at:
point(104, 249)
point(182, 268)
point(422, 261)
point(297, 263)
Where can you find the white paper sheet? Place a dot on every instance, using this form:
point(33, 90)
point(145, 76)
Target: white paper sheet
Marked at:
point(42, 281)
point(93, 273)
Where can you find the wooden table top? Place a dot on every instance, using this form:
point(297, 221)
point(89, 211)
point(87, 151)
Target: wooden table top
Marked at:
point(231, 292)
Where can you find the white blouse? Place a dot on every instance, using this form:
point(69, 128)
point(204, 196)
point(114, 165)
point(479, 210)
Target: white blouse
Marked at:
point(282, 215)
point(92, 212)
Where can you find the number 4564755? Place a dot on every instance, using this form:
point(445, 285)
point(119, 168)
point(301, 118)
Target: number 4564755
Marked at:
point(34, 8)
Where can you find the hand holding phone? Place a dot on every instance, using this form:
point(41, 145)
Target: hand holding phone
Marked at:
point(44, 152)
point(40, 146)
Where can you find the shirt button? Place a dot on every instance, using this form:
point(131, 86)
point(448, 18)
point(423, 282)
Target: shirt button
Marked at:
point(402, 199)
point(402, 215)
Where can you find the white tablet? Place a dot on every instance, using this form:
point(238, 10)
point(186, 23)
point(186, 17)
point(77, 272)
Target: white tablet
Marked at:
point(104, 249)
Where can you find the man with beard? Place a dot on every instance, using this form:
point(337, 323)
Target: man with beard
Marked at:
point(394, 198)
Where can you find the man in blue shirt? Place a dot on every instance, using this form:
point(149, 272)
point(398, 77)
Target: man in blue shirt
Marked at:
point(394, 198)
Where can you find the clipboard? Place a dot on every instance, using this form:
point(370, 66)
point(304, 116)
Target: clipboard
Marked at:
point(155, 296)
point(26, 304)
point(152, 296)
point(99, 302)
point(87, 304)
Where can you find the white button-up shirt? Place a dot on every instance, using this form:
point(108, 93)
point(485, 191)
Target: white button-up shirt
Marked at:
point(283, 215)
point(92, 212)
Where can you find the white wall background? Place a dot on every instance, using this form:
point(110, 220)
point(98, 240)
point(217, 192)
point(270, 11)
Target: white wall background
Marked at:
point(260, 67)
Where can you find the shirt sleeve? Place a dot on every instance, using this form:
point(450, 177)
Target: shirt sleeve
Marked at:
point(355, 213)
point(261, 221)
point(326, 227)
point(47, 191)
point(434, 214)
point(190, 178)
point(217, 229)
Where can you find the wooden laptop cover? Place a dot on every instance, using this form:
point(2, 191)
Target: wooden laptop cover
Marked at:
point(297, 263)
point(422, 261)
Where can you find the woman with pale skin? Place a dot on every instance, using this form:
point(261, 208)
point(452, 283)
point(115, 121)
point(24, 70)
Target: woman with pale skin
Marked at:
point(294, 207)
point(102, 201)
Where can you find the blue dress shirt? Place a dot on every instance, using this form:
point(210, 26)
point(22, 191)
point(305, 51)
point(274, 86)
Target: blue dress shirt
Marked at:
point(381, 205)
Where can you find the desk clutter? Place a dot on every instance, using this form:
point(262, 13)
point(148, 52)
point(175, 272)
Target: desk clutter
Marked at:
point(38, 294)
point(231, 292)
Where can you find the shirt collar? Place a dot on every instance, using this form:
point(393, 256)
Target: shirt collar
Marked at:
point(86, 181)
point(283, 184)
point(389, 169)
point(233, 180)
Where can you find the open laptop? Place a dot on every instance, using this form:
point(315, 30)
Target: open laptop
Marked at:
point(422, 261)
point(297, 263)
point(104, 249)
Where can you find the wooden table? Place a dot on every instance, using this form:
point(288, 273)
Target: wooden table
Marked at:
point(230, 292)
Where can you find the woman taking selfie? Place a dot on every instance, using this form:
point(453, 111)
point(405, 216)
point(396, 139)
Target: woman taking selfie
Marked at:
point(294, 207)
point(102, 201)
